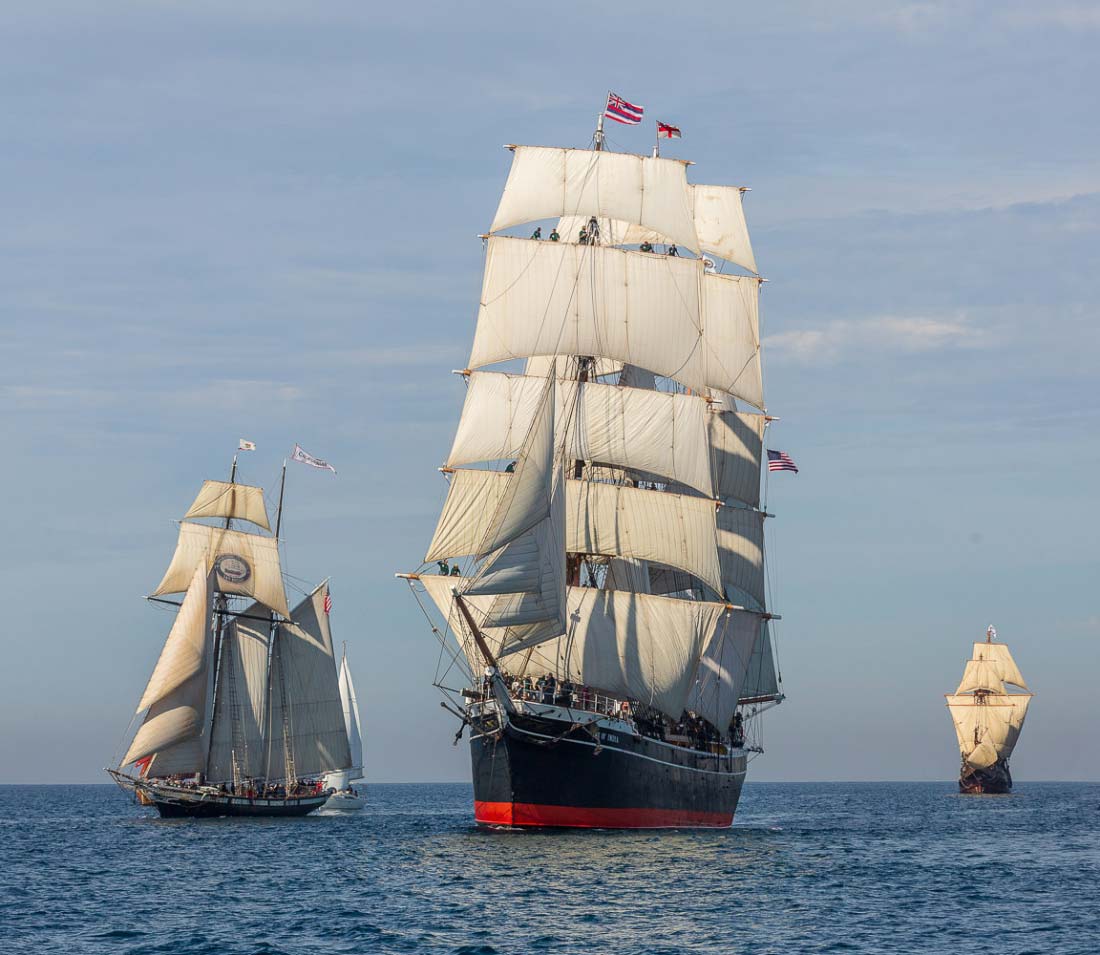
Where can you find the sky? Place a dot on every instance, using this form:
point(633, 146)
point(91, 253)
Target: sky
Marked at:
point(260, 220)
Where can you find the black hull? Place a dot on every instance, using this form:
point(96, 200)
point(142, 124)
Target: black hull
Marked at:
point(530, 774)
point(219, 807)
point(995, 780)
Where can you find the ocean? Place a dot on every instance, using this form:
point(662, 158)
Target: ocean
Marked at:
point(867, 867)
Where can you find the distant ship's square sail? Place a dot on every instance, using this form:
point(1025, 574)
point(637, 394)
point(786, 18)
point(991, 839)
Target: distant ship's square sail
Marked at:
point(601, 545)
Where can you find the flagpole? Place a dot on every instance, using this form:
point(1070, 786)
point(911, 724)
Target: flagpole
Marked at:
point(656, 140)
point(279, 511)
point(599, 122)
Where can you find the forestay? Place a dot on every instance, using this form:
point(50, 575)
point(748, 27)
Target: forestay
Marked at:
point(244, 564)
point(305, 708)
point(224, 499)
point(178, 692)
point(651, 431)
point(550, 182)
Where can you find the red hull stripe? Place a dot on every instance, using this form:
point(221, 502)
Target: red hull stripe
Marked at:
point(533, 814)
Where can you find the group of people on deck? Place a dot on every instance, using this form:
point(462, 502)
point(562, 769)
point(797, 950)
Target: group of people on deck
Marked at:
point(549, 690)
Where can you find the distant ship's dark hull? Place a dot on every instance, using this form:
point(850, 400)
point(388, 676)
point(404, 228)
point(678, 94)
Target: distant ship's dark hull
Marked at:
point(538, 772)
point(994, 780)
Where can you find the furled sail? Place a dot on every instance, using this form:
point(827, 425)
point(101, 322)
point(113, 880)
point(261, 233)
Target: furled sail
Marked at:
point(981, 675)
point(656, 432)
point(658, 312)
point(719, 223)
point(550, 182)
point(238, 734)
point(225, 499)
point(177, 695)
point(999, 655)
point(306, 712)
point(244, 564)
point(724, 666)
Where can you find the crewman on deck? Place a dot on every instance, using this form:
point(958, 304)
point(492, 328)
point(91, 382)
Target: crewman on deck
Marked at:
point(554, 237)
point(444, 568)
point(537, 234)
point(582, 237)
point(455, 572)
point(646, 246)
point(672, 250)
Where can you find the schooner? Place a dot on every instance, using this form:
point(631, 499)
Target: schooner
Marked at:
point(987, 717)
point(599, 558)
point(242, 713)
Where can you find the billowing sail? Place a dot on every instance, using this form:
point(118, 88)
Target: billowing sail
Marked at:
point(244, 564)
point(736, 441)
point(656, 432)
point(306, 712)
point(1000, 656)
point(238, 736)
point(662, 313)
point(549, 182)
point(178, 693)
point(607, 519)
point(223, 499)
point(719, 223)
point(981, 675)
point(741, 555)
point(351, 717)
point(988, 727)
point(724, 666)
point(762, 679)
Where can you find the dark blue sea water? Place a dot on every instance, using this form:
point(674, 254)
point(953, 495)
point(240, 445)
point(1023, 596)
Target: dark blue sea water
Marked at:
point(888, 868)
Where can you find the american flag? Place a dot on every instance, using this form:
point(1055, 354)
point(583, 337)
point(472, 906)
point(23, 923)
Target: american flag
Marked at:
point(621, 111)
point(780, 461)
point(328, 603)
point(668, 131)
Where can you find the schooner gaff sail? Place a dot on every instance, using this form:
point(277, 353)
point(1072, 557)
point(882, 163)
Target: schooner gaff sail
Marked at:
point(601, 545)
point(243, 704)
point(987, 717)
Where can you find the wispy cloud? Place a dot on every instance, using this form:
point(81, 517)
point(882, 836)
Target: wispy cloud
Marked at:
point(838, 339)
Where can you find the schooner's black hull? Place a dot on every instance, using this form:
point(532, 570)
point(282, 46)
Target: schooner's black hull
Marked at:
point(532, 775)
point(994, 780)
point(219, 807)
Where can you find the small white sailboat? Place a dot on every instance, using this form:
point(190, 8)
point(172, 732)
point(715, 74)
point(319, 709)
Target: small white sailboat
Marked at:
point(347, 797)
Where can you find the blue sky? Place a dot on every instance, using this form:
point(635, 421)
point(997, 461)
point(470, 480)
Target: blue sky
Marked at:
point(262, 222)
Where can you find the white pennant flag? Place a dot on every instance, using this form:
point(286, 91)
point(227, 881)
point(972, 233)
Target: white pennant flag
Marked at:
point(304, 458)
point(243, 445)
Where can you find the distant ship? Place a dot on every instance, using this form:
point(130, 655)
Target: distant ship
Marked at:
point(600, 549)
point(988, 718)
point(242, 715)
point(347, 796)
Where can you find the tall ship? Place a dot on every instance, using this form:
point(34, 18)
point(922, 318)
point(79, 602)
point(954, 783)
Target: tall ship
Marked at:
point(598, 565)
point(242, 715)
point(988, 717)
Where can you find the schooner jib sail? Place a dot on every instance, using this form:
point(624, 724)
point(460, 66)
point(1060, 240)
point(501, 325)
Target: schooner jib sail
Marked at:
point(243, 707)
point(602, 539)
point(987, 717)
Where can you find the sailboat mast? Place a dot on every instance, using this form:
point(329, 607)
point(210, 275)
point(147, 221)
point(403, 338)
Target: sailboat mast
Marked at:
point(279, 511)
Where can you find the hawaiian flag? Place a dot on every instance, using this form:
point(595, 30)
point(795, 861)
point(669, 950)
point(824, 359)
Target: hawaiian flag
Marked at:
point(780, 461)
point(621, 111)
point(328, 604)
point(668, 131)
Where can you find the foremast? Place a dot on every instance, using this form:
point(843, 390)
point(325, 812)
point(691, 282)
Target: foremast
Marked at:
point(637, 359)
